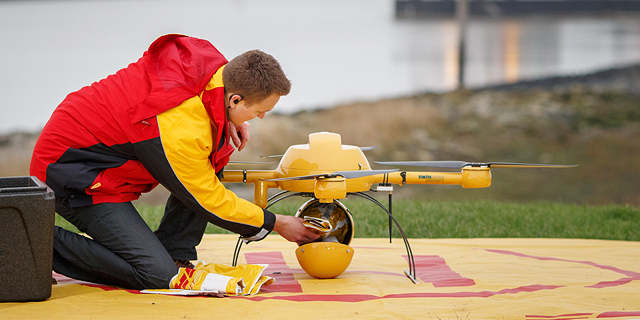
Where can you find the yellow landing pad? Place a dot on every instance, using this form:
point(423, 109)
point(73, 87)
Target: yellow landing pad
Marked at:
point(531, 279)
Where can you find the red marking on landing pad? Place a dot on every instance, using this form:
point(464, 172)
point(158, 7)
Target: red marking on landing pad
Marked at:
point(62, 279)
point(631, 275)
point(569, 316)
point(278, 269)
point(368, 297)
point(619, 314)
point(559, 318)
point(434, 270)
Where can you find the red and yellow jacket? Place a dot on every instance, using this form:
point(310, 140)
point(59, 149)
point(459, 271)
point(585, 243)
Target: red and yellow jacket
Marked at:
point(161, 120)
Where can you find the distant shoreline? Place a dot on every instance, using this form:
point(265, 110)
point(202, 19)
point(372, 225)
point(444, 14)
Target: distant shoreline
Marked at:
point(623, 80)
point(446, 9)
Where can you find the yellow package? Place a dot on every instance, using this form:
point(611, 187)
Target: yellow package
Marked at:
point(264, 280)
point(249, 273)
point(200, 279)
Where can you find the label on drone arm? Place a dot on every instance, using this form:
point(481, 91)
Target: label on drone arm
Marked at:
point(431, 177)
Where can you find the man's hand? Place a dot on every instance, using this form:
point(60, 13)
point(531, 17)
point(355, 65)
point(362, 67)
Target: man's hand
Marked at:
point(239, 135)
point(292, 229)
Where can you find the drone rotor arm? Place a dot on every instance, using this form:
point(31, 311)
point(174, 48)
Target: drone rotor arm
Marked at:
point(462, 164)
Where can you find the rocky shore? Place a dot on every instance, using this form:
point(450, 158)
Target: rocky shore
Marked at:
point(620, 80)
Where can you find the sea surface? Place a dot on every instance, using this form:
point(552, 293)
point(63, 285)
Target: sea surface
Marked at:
point(334, 51)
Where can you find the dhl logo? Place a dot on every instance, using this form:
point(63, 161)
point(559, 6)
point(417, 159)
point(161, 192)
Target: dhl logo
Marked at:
point(186, 278)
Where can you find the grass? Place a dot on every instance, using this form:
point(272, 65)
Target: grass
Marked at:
point(476, 219)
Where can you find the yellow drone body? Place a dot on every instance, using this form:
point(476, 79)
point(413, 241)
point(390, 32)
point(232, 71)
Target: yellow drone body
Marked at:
point(330, 170)
point(324, 153)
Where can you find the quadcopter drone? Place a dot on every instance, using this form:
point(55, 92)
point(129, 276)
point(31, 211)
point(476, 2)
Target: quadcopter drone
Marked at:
point(327, 171)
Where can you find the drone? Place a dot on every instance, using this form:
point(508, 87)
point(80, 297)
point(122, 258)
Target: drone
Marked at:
point(327, 171)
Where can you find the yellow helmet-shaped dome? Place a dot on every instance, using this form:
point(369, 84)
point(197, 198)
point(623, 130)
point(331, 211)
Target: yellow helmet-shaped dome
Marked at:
point(324, 260)
point(329, 256)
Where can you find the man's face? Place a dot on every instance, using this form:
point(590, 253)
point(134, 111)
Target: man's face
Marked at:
point(241, 111)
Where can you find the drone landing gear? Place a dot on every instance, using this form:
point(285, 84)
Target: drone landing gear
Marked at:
point(410, 273)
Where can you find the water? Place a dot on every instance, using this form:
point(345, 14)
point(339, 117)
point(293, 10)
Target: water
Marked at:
point(334, 51)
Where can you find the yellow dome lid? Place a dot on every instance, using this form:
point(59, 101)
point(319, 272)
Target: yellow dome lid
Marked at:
point(324, 260)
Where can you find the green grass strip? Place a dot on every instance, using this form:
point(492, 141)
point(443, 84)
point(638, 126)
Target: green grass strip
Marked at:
point(475, 219)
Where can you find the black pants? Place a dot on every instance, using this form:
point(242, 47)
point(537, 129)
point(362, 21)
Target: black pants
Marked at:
point(180, 230)
point(122, 250)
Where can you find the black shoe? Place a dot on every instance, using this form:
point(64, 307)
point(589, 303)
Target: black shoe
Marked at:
point(184, 264)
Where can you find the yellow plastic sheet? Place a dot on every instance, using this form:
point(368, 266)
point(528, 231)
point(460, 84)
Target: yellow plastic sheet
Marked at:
point(530, 279)
point(242, 280)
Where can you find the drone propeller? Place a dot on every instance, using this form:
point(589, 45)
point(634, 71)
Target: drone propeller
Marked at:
point(352, 174)
point(282, 155)
point(247, 162)
point(462, 164)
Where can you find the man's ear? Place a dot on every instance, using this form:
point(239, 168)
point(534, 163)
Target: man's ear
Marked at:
point(235, 98)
